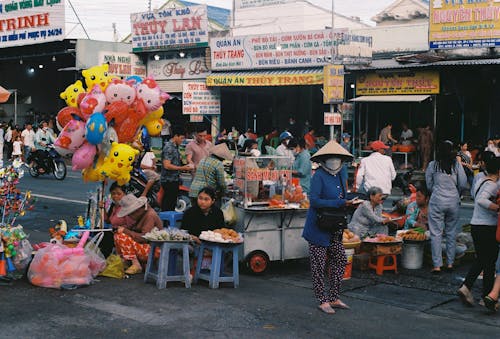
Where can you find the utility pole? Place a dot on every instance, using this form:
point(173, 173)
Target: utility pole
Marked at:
point(333, 56)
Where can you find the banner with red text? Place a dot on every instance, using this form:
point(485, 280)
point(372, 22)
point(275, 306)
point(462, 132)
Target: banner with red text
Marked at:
point(28, 22)
point(287, 50)
point(122, 64)
point(198, 99)
point(170, 28)
point(463, 24)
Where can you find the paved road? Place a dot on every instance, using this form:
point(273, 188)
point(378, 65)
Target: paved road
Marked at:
point(280, 304)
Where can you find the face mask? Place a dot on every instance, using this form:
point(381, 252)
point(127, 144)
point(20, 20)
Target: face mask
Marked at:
point(45, 129)
point(255, 153)
point(333, 164)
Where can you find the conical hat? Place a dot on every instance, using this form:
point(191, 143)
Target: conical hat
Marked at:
point(331, 148)
point(222, 151)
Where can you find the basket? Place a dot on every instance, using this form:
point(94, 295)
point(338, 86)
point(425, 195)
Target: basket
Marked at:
point(406, 148)
point(395, 148)
point(375, 249)
point(351, 245)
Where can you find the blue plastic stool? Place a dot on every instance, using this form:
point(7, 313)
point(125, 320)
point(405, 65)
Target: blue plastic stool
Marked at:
point(216, 274)
point(166, 264)
point(171, 216)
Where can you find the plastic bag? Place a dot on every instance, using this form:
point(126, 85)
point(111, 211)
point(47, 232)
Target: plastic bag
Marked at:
point(23, 255)
point(57, 265)
point(97, 261)
point(114, 267)
point(229, 212)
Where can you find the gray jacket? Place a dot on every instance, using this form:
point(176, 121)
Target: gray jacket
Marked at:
point(482, 215)
point(445, 188)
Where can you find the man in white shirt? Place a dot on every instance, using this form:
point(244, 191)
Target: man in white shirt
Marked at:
point(28, 138)
point(283, 149)
point(376, 170)
point(406, 134)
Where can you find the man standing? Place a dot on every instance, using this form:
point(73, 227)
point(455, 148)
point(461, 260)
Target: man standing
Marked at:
point(386, 137)
point(171, 166)
point(28, 138)
point(283, 149)
point(425, 142)
point(376, 170)
point(406, 134)
point(198, 148)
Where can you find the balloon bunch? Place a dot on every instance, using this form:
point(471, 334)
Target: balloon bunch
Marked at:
point(109, 109)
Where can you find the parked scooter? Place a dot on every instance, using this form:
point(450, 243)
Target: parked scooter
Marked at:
point(47, 162)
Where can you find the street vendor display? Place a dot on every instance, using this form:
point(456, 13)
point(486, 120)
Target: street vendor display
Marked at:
point(270, 209)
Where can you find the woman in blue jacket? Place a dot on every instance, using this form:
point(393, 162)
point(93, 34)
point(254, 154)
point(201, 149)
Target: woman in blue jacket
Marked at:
point(327, 255)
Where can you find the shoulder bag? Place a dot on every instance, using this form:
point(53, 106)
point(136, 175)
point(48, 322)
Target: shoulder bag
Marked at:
point(332, 219)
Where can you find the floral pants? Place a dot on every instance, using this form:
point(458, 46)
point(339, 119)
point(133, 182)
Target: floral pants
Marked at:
point(129, 249)
point(329, 261)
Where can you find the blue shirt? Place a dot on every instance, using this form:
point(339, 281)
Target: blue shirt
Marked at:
point(326, 191)
point(303, 167)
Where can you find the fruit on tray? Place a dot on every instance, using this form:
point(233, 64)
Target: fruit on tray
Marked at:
point(349, 237)
point(273, 203)
point(305, 204)
point(294, 195)
point(168, 234)
point(382, 238)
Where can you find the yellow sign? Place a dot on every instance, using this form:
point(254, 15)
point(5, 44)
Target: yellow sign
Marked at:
point(291, 79)
point(426, 82)
point(461, 24)
point(333, 85)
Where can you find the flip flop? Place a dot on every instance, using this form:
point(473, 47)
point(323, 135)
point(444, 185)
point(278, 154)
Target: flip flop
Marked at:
point(133, 270)
point(490, 303)
point(339, 304)
point(435, 271)
point(326, 309)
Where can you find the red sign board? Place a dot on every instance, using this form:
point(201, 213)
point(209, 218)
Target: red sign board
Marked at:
point(332, 119)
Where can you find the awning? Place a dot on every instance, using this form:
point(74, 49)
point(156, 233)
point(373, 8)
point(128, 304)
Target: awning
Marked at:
point(391, 98)
point(281, 77)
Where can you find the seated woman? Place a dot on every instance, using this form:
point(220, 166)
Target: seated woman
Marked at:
point(129, 241)
point(203, 216)
point(416, 212)
point(368, 219)
point(110, 217)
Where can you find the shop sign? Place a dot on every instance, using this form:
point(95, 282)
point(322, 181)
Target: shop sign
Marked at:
point(178, 68)
point(195, 118)
point(259, 174)
point(333, 84)
point(170, 28)
point(425, 82)
point(288, 79)
point(28, 22)
point(287, 50)
point(198, 99)
point(332, 119)
point(241, 4)
point(122, 64)
point(463, 24)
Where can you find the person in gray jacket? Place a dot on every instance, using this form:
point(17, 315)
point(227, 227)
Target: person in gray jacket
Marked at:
point(368, 219)
point(446, 179)
point(483, 229)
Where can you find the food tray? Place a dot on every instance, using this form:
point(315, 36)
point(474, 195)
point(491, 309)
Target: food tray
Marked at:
point(172, 241)
point(388, 243)
point(223, 243)
point(349, 245)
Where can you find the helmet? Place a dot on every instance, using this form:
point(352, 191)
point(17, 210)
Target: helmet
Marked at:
point(285, 135)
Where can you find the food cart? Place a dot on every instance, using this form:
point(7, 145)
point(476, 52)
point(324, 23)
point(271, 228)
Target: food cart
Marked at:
point(271, 211)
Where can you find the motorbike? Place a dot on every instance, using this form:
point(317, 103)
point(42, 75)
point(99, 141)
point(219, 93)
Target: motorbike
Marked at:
point(47, 162)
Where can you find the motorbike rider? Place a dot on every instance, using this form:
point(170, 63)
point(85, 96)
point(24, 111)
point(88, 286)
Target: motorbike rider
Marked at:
point(43, 139)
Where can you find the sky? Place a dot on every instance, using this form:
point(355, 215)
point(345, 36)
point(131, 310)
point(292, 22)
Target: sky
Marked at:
point(98, 16)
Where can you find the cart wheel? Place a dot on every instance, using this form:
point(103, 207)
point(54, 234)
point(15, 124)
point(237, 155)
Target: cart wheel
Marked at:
point(258, 262)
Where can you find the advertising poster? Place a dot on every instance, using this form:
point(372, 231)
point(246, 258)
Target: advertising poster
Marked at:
point(170, 28)
point(198, 99)
point(28, 22)
point(464, 24)
point(333, 85)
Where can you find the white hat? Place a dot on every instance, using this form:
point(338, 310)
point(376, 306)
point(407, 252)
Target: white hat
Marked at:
point(331, 148)
point(222, 151)
point(131, 203)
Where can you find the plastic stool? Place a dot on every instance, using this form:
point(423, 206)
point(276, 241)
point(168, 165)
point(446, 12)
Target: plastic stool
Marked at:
point(380, 266)
point(166, 264)
point(216, 274)
point(171, 216)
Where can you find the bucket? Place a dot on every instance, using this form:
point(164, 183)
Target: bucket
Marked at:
point(412, 257)
point(348, 268)
point(360, 261)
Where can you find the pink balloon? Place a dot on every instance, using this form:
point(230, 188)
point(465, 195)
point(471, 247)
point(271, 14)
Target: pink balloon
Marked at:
point(83, 157)
point(71, 137)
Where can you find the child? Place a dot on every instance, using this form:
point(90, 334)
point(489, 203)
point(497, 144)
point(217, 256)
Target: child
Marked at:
point(17, 146)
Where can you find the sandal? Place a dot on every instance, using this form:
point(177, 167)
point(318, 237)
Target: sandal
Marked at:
point(326, 308)
point(436, 271)
point(339, 304)
point(490, 303)
point(134, 270)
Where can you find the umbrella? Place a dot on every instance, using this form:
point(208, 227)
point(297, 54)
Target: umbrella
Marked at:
point(4, 95)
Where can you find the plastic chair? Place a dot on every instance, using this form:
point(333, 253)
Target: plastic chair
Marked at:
point(217, 274)
point(171, 216)
point(165, 271)
point(382, 263)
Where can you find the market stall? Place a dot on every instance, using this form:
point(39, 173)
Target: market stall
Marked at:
point(271, 211)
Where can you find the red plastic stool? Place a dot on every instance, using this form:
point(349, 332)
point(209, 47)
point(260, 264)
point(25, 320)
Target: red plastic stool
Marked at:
point(381, 265)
